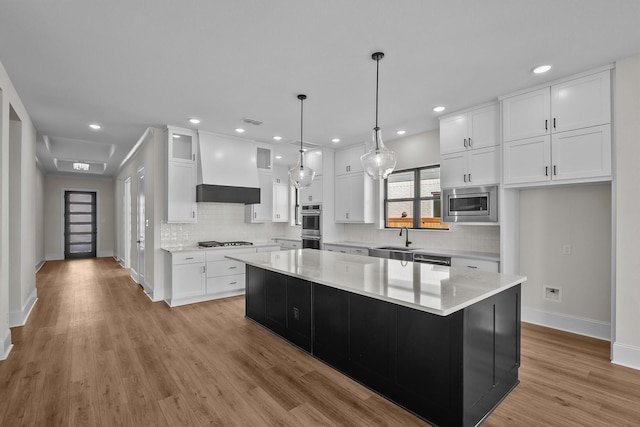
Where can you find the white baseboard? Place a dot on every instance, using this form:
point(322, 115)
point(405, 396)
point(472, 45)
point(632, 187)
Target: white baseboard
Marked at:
point(134, 275)
point(5, 345)
point(19, 318)
point(105, 254)
point(55, 257)
point(563, 322)
point(40, 264)
point(626, 355)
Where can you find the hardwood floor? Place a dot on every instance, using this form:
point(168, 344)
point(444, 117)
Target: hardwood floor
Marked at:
point(96, 351)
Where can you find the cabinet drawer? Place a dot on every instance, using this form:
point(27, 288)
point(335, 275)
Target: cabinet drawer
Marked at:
point(187, 257)
point(480, 264)
point(220, 254)
point(359, 251)
point(226, 283)
point(224, 268)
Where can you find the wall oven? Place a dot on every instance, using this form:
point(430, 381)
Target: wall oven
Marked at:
point(470, 204)
point(311, 227)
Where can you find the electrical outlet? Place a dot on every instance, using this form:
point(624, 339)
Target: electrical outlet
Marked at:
point(566, 249)
point(551, 294)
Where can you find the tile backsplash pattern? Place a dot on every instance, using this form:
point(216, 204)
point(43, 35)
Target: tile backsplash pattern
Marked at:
point(222, 222)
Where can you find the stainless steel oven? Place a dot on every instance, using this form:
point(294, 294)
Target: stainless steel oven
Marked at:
point(312, 220)
point(311, 242)
point(470, 204)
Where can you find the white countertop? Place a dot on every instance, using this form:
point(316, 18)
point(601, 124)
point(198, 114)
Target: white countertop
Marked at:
point(172, 249)
point(430, 288)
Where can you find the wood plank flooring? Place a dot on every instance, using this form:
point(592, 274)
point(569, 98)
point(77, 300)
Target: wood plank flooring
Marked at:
point(97, 352)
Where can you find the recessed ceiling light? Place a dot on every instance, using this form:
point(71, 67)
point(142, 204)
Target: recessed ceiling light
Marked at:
point(239, 130)
point(401, 132)
point(335, 140)
point(194, 121)
point(438, 109)
point(541, 69)
point(277, 138)
point(176, 136)
point(95, 126)
point(278, 157)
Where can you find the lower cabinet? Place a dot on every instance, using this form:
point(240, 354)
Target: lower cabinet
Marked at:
point(450, 370)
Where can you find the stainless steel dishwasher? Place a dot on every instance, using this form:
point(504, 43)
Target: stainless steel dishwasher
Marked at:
point(432, 259)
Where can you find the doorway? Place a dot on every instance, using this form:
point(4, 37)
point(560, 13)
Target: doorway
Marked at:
point(127, 222)
point(80, 224)
point(142, 222)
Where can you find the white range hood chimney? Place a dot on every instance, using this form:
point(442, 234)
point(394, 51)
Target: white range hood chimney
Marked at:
point(227, 170)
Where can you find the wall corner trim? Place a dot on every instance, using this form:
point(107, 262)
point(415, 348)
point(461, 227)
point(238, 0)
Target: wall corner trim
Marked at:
point(577, 325)
point(19, 318)
point(626, 355)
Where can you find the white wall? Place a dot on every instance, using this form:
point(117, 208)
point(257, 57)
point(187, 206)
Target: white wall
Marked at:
point(417, 151)
point(550, 219)
point(54, 188)
point(626, 342)
point(17, 297)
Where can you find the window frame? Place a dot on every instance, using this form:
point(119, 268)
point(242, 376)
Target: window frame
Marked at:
point(416, 199)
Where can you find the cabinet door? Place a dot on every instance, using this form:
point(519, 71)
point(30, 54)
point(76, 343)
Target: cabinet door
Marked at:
point(527, 160)
point(255, 301)
point(299, 312)
point(280, 202)
point(331, 325)
point(276, 302)
point(483, 166)
point(313, 159)
point(484, 129)
point(453, 170)
point(226, 284)
point(526, 115)
point(348, 161)
point(263, 211)
point(312, 194)
point(581, 102)
point(188, 280)
point(182, 145)
point(582, 153)
point(181, 192)
point(479, 264)
point(342, 196)
point(454, 132)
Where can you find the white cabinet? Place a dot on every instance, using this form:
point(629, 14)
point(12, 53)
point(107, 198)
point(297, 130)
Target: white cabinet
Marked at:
point(472, 167)
point(354, 198)
point(348, 160)
point(559, 134)
point(313, 193)
point(473, 129)
point(181, 176)
point(280, 202)
point(188, 277)
point(353, 190)
point(354, 250)
point(476, 264)
point(289, 244)
point(313, 160)
point(225, 277)
point(263, 211)
point(570, 105)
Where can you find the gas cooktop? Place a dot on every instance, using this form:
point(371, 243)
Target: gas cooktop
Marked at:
point(213, 244)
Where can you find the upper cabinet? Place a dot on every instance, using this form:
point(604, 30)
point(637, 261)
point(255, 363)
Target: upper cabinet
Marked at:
point(281, 194)
point(313, 160)
point(262, 212)
point(263, 157)
point(181, 175)
point(560, 133)
point(313, 193)
point(469, 148)
point(574, 104)
point(469, 130)
point(353, 193)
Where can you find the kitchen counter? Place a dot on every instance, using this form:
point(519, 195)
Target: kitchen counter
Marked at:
point(434, 289)
point(487, 256)
point(442, 342)
point(174, 249)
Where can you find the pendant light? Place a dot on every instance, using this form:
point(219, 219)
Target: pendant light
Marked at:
point(379, 162)
point(301, 176)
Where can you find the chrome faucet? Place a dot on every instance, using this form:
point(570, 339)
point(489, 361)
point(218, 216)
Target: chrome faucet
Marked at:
point(406, 242)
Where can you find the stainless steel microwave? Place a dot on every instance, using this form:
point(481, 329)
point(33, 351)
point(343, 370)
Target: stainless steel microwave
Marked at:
point(470, 204)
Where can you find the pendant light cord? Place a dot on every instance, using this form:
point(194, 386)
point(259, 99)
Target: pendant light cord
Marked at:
point(301, 97)
point(377, 78)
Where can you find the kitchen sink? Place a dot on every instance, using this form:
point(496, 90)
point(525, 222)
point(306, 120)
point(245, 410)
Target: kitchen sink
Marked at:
point(392, 252)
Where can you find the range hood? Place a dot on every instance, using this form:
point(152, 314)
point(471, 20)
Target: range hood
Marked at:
point(227, 170)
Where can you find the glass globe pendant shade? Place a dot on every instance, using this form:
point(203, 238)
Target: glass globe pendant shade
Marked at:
point(301, 176)
point(378, 162)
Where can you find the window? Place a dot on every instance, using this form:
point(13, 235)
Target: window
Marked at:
point(412, 199)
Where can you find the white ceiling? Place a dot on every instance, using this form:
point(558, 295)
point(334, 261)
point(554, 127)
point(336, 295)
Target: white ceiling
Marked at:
point(132, 64)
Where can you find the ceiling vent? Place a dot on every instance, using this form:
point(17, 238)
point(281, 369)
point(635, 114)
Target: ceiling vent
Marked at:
point(251, 121)
point(305, 144)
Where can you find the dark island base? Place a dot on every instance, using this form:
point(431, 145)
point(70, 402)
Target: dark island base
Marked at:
point(449, 370)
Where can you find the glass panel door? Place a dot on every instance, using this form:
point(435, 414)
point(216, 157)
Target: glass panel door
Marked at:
point(79, 224)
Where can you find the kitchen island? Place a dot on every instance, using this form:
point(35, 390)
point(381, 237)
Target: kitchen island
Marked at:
point(442, 342)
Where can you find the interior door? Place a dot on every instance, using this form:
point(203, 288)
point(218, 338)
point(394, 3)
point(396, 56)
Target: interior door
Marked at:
point(142, 222)
point(79, 224)
point(127, 222)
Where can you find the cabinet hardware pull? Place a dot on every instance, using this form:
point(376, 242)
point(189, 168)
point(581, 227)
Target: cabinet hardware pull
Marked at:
point(555, 172)
point(193, 214)
point(232, 267)
point(464, 177)
point(546, 122)
point(469, 177)
point(546, 171)
point(203, 269)
point(465, 142)
point(472, 266)
point(193, 157)
point(189, 257)
point(554, 122)
point(233, 283)
point(469, 142)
